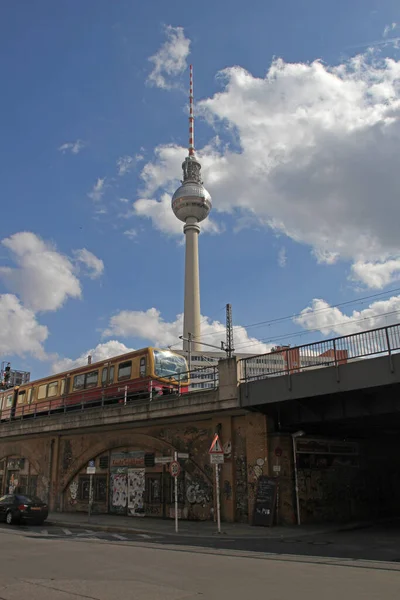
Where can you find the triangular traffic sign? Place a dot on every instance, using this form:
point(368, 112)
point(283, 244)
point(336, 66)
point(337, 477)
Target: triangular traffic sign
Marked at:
point(216, 446)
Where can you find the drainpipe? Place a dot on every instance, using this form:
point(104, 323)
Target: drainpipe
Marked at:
point(296, 479)
point(50, 471)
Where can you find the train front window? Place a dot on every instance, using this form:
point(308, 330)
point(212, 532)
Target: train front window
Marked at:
point(167, 364)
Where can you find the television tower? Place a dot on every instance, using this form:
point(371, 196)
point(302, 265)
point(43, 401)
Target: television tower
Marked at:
point(191, 203)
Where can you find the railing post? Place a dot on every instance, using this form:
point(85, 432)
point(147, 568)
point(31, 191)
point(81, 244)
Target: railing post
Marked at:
point(336, 361)
point(288, 370)
point(389, 351)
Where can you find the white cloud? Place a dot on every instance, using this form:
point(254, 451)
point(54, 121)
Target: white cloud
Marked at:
point(282, 257)
point(44, 278)
point(376, 275)
point(94, 265)
point(130, 233)
point(170, 60)
point(20, 333)
point(73, 147)
point(331, 321)
point(97, 191)
point(127, 163)
point(99, 353)
point(316, 158)
point(150, 326)
point(388, 29)
point(124, 200)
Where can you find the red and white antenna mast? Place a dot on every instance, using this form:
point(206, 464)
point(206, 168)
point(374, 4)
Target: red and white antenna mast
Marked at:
point(191, 115)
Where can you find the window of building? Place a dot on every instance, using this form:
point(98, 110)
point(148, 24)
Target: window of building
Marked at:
point(91, 379)
point(103, 462)
point(33, 479)
point(99, 488)
point(153, 489)
point(79, 382)
point(42, 392)
point(62, 387)
point(111, 377)
point(124, 370)
point(52, 389)
point(104, 374)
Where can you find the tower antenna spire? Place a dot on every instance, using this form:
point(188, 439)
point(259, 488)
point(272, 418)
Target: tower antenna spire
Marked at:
point(191, 114)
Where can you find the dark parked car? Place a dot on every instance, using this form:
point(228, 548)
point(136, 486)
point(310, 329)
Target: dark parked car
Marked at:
point(15, 508)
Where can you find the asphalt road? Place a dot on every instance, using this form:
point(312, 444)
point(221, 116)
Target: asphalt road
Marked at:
point(379, 543)
point(40, 567)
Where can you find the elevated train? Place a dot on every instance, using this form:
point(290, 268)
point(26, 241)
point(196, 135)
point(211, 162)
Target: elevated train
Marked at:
point(144, 373)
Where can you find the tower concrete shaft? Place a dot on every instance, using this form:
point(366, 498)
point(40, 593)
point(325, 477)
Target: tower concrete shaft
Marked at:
point(191, 204)
point(191, 320)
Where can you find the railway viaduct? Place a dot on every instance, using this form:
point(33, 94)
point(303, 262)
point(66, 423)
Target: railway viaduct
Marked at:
point(340, 422)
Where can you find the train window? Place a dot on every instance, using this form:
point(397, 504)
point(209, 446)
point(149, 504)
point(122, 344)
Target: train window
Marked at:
point(30, 392)
point(91, 379)
point(143, 366)
point(62, 389)
point(53, 389)
point(124, 370)
point(1, 402)
point(111, 377)
point(104, 375)
point(42, 392)
point(9, 401)
point(21, 397)
point(79, 382)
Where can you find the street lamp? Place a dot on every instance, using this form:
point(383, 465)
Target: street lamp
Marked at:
point(296, 480)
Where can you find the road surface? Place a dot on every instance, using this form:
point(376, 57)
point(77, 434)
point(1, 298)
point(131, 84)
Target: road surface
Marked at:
point(73, 566)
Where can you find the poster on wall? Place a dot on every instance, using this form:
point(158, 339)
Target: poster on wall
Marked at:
point(136, 484)
point(119, 496)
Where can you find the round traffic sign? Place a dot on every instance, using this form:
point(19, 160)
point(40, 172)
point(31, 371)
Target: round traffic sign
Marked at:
point(175, 468)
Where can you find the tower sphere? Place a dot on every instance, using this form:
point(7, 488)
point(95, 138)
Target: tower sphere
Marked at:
point(191, 199)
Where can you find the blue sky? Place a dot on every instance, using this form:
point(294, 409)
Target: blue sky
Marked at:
point(299, 157)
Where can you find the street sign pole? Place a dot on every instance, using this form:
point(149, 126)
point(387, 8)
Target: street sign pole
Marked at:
point(176, 496)
point(216, 458)
point(90, 494)
point(218, 502)
point(91, 470)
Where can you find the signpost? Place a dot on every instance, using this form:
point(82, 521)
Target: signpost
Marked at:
point(175, 469)
point(216, 453)
point(90, 470)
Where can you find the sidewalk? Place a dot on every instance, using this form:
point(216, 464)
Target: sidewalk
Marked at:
point(198, 529)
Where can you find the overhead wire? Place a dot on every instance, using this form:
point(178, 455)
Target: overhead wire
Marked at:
point(290, 317)
point(308, 331)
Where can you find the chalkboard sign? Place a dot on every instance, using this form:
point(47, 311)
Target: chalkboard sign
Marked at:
point(264, 505)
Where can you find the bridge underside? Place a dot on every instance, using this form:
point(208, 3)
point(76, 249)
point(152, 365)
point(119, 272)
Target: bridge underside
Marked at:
point(348, 454)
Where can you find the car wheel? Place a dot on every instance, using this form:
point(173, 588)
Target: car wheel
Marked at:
point(9, 518)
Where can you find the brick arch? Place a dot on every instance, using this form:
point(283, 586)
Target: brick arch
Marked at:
point(138, 440)
point(22, 451)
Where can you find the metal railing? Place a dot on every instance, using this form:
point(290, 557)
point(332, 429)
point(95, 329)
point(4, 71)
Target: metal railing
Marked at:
point(327, 353)
point(125, 395)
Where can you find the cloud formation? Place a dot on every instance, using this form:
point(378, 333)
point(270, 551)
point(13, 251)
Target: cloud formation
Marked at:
point(44, 278)
point(94, 265)
point(99, 353)
point(150, 326)
point(171, 59)
point(73, 147)
point(313, 155)
point(97, 191)
point(20, 333)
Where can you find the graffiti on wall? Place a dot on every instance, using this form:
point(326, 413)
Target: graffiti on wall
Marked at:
point(198, 491)
point(119, 490)
point(67, 455)
point(227, 490)
point(136, 483)
point(73, 492)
